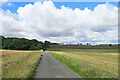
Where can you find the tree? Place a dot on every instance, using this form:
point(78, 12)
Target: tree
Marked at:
point(24, 47)
point(46, 45)
point(1, 41)
point(39, 46)
point(54, 44)
point(12, 46)
point(24, 44)
point(32, 47)
point(110, 44)
point(6, 43)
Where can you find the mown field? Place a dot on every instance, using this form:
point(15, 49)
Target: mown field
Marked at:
point(19, 64)
point(89, 63)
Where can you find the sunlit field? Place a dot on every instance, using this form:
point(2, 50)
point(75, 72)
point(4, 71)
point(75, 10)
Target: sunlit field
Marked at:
point(90, 63)
point(19, 64)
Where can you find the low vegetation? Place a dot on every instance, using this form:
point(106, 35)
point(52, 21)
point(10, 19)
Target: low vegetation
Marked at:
point(89, 63)
point(19, 64)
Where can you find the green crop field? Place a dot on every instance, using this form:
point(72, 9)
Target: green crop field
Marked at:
point(89, 63)
point(19, 64)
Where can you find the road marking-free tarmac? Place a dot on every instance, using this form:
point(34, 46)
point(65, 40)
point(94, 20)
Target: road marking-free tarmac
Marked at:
point(49, 67)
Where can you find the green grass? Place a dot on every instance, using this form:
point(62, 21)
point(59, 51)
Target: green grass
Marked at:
point(19, 64)
point(90, 63)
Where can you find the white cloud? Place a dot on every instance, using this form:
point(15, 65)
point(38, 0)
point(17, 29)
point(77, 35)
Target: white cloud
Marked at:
point(45, 22)
point(9, 24)
point(3, 2)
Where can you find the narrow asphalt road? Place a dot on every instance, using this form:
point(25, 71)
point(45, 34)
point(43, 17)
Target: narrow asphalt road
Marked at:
point(49, 67)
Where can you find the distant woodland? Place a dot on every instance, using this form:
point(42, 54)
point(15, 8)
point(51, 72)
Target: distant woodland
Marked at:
point(23, 44)
point(27, 44)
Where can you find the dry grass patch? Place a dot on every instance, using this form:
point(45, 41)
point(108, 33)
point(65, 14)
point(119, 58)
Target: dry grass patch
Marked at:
point(19, 64)
point(90, 63)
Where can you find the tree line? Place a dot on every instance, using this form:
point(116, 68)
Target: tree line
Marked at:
point(23, 44)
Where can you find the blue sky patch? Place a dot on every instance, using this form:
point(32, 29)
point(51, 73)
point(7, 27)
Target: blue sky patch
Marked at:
point(81, 5)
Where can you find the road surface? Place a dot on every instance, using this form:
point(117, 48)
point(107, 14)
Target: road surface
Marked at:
point(49, 67)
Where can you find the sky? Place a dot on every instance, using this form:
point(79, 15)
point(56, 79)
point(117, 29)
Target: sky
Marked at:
point(62, 22)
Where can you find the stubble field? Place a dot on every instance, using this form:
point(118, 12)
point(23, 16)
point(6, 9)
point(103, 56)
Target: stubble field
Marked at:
point(19, 64)
point(89, 63)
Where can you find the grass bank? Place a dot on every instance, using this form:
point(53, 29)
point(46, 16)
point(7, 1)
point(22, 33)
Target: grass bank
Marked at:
point(89, 63)
point(19, 64)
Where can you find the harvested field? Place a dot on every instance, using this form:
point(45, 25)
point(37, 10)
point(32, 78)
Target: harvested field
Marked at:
point(90, 63)
point(19, 64)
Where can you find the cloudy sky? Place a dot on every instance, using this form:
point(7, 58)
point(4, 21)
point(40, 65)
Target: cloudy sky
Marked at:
point(63, 22)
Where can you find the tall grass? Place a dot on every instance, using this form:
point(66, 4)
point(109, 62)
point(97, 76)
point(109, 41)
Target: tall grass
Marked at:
point(90, 63)
point(19, 64)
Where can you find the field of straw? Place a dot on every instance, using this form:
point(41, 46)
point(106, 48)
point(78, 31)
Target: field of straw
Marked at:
point(90, 63)
point(19, 64)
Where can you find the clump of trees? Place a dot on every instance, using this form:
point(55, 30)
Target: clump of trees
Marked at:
point(23, 44)
point(108, 44)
